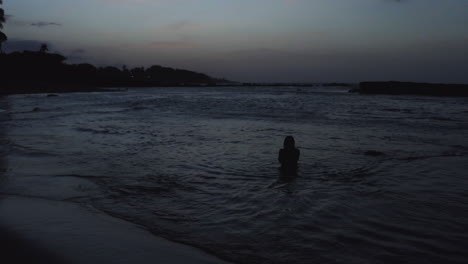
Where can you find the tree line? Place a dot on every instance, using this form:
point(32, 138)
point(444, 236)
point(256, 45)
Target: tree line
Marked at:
point(3, 37)
point(39, 71)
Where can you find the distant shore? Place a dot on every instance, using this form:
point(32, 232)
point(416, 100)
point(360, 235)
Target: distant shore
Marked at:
point(30, 72)
point(388, 88)
point(38, 88)
point(45, 88)
point(412, 88)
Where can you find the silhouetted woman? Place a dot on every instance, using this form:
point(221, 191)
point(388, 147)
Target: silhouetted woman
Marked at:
point(289, 156)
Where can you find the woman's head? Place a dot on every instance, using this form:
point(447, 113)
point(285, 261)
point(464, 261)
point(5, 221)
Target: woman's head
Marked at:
point(289, 142)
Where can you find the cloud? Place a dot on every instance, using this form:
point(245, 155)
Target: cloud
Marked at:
point(181, 25)
point(78, 51)
point(44, 24)
point(172, 44)
point(11, 20)
point(123, 2)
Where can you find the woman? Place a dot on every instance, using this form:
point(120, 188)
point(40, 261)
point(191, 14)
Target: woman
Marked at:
point(289, 156)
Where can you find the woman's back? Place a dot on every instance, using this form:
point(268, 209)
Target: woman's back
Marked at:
point(289, 155)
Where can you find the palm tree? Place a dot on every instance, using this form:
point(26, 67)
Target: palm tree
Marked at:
point(44, 48)
point(3, 37)
point(2, 15)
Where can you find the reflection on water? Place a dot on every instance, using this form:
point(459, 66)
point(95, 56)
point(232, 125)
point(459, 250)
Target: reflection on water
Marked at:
point(381, 179)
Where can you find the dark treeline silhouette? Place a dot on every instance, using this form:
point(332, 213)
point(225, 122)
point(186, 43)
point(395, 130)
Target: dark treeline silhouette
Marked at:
point(412, 88)
point(37, 72)
point(3, 37)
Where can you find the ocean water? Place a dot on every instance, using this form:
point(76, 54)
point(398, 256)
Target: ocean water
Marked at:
point(382, 179)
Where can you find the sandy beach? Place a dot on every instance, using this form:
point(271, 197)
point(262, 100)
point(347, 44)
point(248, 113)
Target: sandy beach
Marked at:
point(43, 231)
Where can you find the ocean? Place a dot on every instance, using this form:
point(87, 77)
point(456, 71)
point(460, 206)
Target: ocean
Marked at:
point(381, 179)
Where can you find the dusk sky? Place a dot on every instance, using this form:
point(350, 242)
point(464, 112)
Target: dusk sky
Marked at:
point(255, 40)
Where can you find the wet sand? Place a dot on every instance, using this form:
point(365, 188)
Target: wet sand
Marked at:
point(16, 249)
point(43, 231)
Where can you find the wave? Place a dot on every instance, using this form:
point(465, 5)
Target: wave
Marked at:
point(17, 149)
point(106, 131)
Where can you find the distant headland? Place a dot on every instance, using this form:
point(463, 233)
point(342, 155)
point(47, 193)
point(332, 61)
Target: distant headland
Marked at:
point(412, 88)
point(43, 72)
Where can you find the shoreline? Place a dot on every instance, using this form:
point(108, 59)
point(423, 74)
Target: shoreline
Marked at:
point(64, 232)
point(55, 90)
point(73, 88)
